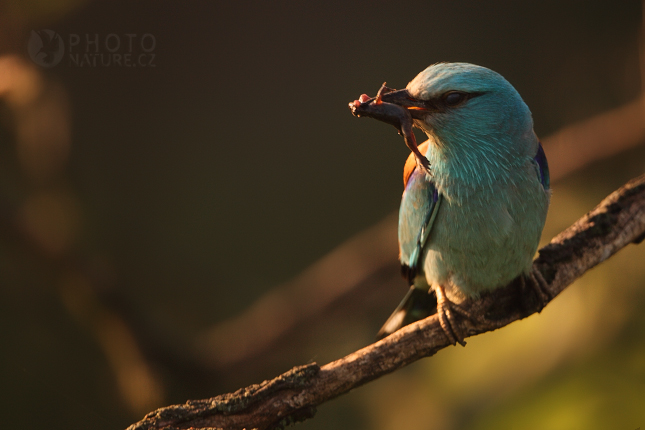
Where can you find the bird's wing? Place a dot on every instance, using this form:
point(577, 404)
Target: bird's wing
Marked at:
point(419, 207)
point(543, 167)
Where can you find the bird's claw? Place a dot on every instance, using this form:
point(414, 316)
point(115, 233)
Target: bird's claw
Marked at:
point(540, 286)
point(447, 320)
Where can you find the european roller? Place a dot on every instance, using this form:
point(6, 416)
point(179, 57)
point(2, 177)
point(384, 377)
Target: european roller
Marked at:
point(476, 193)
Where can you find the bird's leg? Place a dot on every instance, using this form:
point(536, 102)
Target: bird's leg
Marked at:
point(447, 319)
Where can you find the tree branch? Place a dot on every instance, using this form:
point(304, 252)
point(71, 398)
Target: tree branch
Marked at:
point(291, 397)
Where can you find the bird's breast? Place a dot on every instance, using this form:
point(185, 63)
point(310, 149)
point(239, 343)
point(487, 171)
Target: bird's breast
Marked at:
point(483, 236)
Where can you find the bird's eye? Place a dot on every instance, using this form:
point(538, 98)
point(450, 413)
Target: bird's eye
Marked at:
point(454, 98)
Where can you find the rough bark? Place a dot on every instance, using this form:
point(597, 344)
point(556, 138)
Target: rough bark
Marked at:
point(291, 397)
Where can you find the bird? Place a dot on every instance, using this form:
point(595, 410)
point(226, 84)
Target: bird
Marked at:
point(476, 193)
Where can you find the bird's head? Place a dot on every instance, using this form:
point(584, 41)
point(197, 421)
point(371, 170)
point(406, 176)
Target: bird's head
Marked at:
point(469, 113)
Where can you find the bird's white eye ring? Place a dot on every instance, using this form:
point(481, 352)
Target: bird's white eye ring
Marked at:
point(454, 98)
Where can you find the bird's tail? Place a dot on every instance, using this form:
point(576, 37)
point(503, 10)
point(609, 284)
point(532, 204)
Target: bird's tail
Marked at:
point(416, 305)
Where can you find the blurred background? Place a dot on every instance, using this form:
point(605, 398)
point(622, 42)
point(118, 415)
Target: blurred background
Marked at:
point(188, 207)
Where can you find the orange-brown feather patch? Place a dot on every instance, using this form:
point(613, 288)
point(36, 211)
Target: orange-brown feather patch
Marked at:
point(411, 164)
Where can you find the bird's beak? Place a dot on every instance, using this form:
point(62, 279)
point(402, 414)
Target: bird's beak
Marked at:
point(417, 108)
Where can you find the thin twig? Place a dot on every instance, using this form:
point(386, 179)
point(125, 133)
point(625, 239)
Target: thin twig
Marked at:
point(616, 222)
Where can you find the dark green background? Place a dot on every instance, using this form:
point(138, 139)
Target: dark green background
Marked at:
point(235, 163)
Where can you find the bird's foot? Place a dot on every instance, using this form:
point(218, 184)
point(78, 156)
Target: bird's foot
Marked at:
point(540, 286)
point(446, 310)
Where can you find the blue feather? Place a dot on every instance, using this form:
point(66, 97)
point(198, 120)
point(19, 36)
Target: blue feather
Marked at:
point(543, 167)
point(419, 207)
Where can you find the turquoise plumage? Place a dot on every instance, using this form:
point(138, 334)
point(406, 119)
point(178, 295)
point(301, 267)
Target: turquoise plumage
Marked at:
point(473, 223)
